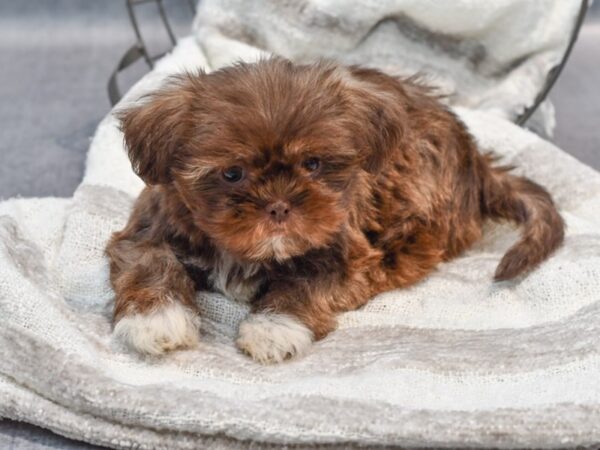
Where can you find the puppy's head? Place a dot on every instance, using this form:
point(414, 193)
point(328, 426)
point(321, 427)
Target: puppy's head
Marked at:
point(266, 155)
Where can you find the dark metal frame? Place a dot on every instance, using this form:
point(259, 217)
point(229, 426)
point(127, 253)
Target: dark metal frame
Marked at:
point(139, 50)
point(555, 72)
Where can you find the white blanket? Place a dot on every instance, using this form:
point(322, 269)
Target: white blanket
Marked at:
point(454, 361)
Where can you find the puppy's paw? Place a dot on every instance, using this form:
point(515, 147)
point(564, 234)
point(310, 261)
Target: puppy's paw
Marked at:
point(170, 327)
point(271, 338)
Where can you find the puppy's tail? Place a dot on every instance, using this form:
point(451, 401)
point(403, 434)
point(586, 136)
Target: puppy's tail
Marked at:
point(505, 196)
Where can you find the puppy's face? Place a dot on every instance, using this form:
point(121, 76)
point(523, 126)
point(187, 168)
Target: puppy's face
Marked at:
point(265, 156)
point(265, 196)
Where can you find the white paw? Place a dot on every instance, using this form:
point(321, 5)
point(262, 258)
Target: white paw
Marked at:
point(167, 328)
point(272, 338)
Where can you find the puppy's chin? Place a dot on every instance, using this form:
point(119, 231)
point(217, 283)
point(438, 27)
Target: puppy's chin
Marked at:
point(266, 244)
point(277, 247)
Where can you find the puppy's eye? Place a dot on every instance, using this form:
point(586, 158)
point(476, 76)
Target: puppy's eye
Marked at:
point(233, 174)
point(311, 164)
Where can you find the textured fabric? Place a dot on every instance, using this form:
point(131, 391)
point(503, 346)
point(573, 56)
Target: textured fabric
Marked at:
point(456, 360)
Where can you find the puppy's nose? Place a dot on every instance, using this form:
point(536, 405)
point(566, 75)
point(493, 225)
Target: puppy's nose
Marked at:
point(278, 211)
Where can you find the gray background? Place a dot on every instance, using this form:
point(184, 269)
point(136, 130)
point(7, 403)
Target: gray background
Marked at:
point(56, 57)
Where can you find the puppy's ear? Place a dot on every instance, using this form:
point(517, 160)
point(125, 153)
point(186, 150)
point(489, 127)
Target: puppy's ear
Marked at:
point(380, 115)
point(156, 129)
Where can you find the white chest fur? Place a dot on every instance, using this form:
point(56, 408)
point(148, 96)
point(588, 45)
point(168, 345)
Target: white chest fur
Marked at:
point(228, 276)
point(234, 280)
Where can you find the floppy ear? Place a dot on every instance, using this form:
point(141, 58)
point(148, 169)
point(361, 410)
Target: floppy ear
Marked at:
point(380, 114)
point(156, 129)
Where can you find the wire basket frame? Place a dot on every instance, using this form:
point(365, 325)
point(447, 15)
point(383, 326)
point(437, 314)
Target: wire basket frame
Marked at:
point(140, 50)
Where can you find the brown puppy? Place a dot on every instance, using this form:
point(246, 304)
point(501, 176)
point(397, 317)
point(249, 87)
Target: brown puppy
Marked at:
point(304, 190)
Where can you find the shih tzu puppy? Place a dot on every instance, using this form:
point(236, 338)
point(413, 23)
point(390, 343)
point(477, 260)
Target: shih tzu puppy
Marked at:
point(303, 190)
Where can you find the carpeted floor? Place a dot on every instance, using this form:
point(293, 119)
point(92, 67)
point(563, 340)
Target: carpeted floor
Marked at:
point(55, 59)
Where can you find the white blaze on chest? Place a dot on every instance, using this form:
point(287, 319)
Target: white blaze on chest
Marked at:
point(233, 279)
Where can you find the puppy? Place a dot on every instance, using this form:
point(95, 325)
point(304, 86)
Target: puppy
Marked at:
point(303, 190)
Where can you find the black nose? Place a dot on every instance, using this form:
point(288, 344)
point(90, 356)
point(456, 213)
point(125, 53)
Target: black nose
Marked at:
point(278, 211)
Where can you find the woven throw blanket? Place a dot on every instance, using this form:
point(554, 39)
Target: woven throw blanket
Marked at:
point(454, 361)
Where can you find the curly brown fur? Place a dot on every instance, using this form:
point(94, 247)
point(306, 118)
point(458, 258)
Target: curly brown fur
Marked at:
point(352, 182)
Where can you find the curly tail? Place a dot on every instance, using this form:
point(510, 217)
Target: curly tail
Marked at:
point(506, 196)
